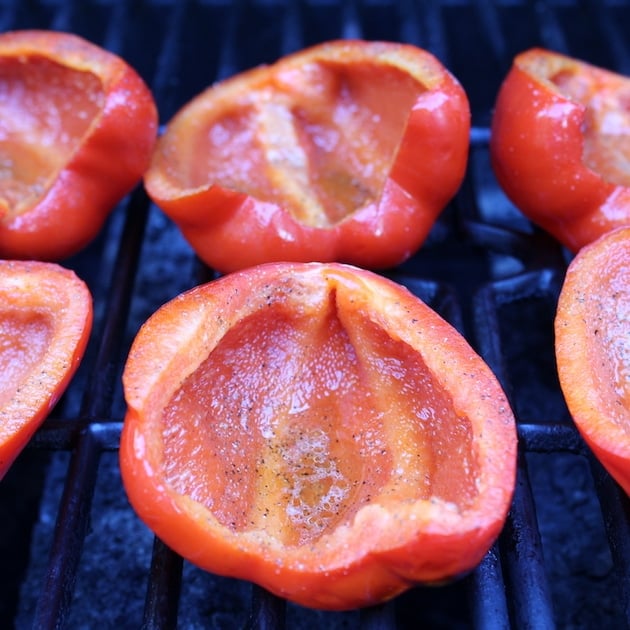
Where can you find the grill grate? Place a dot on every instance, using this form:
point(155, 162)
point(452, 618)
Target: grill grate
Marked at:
point(73, 552)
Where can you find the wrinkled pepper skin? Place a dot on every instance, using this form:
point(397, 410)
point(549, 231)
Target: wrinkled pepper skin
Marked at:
point(592, 344)
point(316, 429)
point(560, 145)
point(45, 324)
point(346, 151)
point(77, 127)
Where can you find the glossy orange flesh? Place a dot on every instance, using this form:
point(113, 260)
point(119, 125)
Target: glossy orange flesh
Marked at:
point(606, 313)
point(318, 140)
point(24, 340)
point(292, 424)
point(45, 324)
point(606, 97)
point(45, 110)
point(593, 348)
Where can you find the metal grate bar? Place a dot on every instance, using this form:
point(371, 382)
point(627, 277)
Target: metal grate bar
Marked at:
point(550, 437)
point(551, 32)
point(228, 64)
point(522, 550)
point(164, 84)
point(528, 587)
point(351, 22)
point(99, 392)
point(612, 35)
point(378, 617)
point(486, 594)
point(494, 33)
point(72, 525)
point(267, 611)
point(433, 30)
point(616, 510)
point(162, 599)
point(74, 510)
point(410, 30)
point(292, 33)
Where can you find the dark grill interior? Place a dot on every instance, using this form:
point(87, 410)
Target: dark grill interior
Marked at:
point(73, 553)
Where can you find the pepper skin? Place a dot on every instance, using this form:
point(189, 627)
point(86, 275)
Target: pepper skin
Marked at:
point(347, 151)
point(45, 323)
point(560, 145)
point(316, 429)
point(77, 127)
point(593, 349)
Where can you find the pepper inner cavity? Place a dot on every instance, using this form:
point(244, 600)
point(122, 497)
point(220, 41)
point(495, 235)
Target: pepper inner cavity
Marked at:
point(607, 120)
point(320, 152)
point(45, 110)
point(281, 429)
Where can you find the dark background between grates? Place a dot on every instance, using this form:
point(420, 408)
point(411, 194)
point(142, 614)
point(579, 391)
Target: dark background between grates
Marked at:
point(72, 552)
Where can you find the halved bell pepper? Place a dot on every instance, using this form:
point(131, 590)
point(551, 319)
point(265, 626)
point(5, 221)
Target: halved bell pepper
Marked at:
point(347, 151)
point(592, 331)
point(45, 324)
point(316, 429)
point(77, 127)
point(560, 145)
